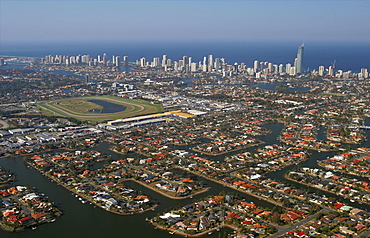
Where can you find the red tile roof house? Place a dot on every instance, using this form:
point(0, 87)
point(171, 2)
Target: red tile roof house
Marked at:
point(25, 220)
point(359, 227)
point(297, 234)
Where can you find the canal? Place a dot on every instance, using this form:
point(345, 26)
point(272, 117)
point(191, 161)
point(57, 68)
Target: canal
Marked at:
point(85, 220)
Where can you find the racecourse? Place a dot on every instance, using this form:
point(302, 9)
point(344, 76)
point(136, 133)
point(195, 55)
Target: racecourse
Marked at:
point(134, 107)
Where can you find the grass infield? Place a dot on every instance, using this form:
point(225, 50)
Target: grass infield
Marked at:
point(79, 108)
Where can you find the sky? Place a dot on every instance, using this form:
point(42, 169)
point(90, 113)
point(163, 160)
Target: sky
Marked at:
point(177, 20)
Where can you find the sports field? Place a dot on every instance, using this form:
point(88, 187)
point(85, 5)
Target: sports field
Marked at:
point(80, 108)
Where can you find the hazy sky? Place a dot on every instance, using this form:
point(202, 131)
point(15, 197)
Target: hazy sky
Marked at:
point(85, 20)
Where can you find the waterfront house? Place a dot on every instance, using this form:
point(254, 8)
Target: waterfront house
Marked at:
point(25, 220)
point(193, 226)
point(203, 223)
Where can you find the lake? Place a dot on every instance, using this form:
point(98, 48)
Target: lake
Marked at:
point(108, 107)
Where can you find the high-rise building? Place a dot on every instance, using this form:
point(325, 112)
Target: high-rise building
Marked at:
point(193, 67)
point(331, 71)
point(142, 62)
point(270, 67)
point(185, 60)
point(287, 68)
point(105, 59)
point(164, 60)
point(204, 66)
point(236, 67)
point(255, 66)
point(217, 64)
point(293, 71)
point(125, 60)
point(169, 62)
point(321, 70)
point(117, 61)
point(281, 68)
point(299, 66)
point(155, 62)
point(181, 63)
point(364, 72)
point(210, 60)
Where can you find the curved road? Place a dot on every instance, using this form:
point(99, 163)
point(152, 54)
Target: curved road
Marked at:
point(4, 124)
point(70, 113)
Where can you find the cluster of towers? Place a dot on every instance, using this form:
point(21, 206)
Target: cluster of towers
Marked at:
point(186, 64)
point(211, 64)
point(208, 64)
point(270, 68)
point(86, 59)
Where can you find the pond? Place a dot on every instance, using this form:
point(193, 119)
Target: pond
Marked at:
point(108, 107)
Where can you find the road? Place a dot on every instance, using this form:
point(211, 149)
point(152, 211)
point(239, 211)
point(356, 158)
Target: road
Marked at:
point(4, 124)
point(282, 231)
point(64, 111)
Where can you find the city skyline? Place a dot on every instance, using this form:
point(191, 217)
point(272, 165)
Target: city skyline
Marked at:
point(85, 20)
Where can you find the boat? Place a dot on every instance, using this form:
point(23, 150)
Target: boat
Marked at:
point(352, 200)
point(210, 233)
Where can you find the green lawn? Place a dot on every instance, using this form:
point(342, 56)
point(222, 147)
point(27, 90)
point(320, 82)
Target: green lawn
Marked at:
point(79, 108)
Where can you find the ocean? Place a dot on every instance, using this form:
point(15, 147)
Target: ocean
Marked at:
point(347, 55)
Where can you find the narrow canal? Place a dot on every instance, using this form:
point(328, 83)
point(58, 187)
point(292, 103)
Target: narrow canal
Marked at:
point(85, 220)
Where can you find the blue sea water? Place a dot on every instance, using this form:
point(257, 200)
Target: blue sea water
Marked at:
point(348, 55)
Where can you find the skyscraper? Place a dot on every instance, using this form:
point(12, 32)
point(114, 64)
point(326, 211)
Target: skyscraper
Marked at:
point(105, 59)
point(125, 60)
point(321, 70)
point(142, 62)
point(185, 60)
point(255, 66)
point(164, 60)
point(117, 61)
point(299, 66)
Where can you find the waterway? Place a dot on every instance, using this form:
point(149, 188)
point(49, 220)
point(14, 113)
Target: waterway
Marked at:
point(85, 220)
point(108, 107)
